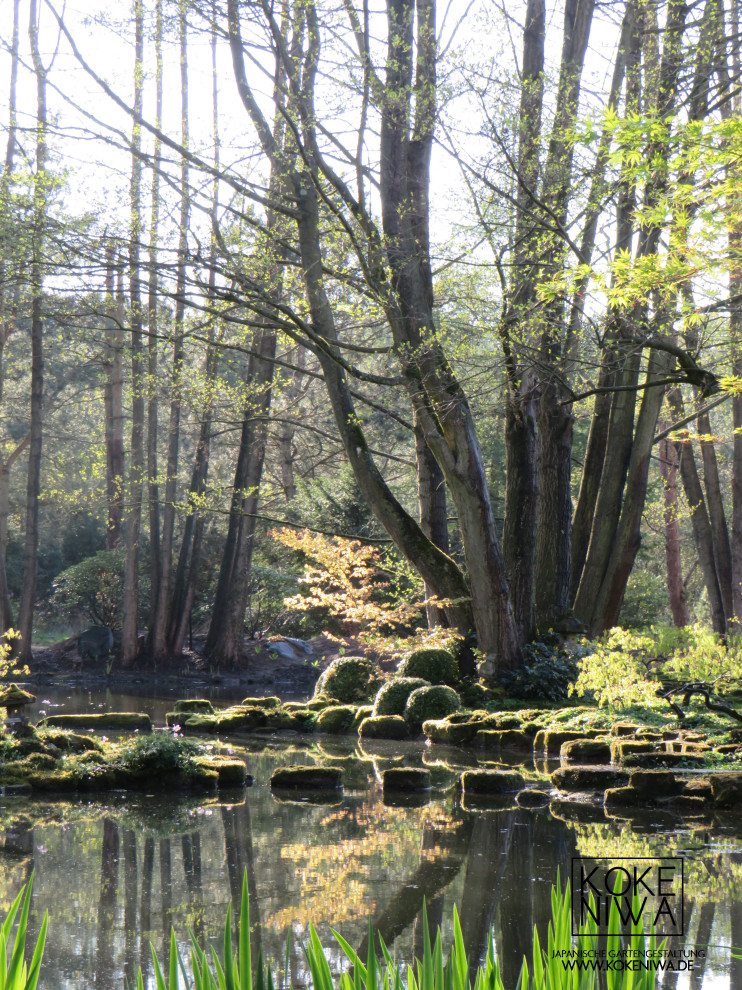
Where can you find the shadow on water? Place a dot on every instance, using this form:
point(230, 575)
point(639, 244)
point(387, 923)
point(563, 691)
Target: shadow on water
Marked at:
point(115, 874)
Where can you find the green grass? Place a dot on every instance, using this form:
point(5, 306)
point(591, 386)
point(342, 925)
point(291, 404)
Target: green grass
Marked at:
point(546, 970)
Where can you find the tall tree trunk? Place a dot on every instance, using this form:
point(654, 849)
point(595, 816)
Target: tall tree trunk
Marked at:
point(162, 611)
point(153, 330)
point(31, 543)
point(431, 500)
point(113, 401)
point(136, 460)
point(675, 585)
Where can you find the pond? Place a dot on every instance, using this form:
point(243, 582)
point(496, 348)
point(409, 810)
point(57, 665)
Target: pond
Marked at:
point(115, 872)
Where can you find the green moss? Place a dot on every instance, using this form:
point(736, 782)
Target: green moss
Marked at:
point(384, 727)
point(434, 666)
point(104, 720)
point(348, 680)
point(430, 702)
point(72, 742)
point(194, 706)
point(337, 718)
point(307, 778)
point(362, 712)
point(271, 702)
point(392, 696)
point(475, 695)
point(230, 773)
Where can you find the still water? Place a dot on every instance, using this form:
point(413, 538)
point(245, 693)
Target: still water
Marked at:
point(115, 873)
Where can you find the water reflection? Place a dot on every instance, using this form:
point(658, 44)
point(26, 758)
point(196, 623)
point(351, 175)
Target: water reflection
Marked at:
point(116, 874)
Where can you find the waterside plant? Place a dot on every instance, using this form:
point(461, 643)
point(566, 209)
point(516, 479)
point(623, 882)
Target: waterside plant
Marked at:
point(549, 968)
point(15, 972)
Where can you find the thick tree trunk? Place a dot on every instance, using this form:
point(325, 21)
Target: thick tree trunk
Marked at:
point(675, 585)
point(33, 487)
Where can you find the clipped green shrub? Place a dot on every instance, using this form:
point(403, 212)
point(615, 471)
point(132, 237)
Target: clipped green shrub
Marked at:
point(434, 666)
point(435, 701)
point(392, 696)
point(348, 680)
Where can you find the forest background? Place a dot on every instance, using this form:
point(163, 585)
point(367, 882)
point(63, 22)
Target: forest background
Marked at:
point(461, 286)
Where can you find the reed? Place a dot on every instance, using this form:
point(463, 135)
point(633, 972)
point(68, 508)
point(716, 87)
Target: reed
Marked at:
point(547, 970)
point(15, 972)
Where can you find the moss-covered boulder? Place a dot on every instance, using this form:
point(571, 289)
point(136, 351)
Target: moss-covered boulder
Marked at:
point(193, 706)
point(431, 702)
point(624, 729)
point(348, 680)
point(554, 739)
point(433, 666)
point(71, 742)
point(405, 780)
point(622, 797)
point(726, 789)
point(392, 696)
point(336, 719)
point(652, 784)
point(622, 748)
point(588, 778)
point(230, 772)
point(452, 732)
point(384, 727)
point(307, 778)
point(493, 739)
point(270, 702)
point(126, 721)
point(362, 712)
point(583, 751)
point(474, 695)
point(491, 782)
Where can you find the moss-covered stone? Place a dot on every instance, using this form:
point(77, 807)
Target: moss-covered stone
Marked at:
point(72, 742)
point(494, 739)
point(392, 696)
point(621, 748)
point(554, 738)
point(230, 772)
point(240, 719)
point(270, 702)
point(453, 731)
point(129, 721)
point(657, 760)
point(588, 778)
point(620, 729)
point(194, 706)
point(384, 727)
point(433, 666)
point(336, 719)
point(491, 781)
point(307, 778)
point(431, 702)
point(726, 789)
point(622, 797)
point(698, 787)
point(348, 680)
point(656, 783)
point(583, 751)
point(405, 780)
